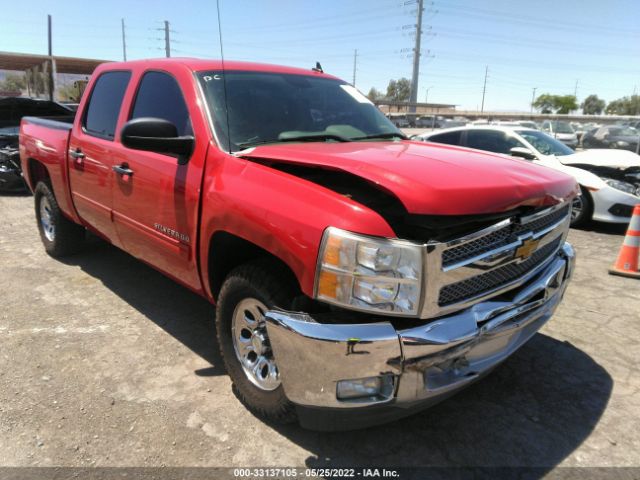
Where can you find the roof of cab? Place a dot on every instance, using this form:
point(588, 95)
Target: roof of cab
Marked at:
point(198, 65)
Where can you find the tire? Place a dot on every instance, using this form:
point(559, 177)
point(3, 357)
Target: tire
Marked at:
point(60, 236)
point(247, 292)
point(582, 208)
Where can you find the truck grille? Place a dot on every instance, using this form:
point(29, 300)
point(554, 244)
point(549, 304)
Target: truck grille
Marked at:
point(499, 277)
point(492, 261)
point(500, 238)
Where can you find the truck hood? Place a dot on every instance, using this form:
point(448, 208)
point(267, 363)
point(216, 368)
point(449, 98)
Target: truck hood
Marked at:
point(432, 179)
point(602, 158)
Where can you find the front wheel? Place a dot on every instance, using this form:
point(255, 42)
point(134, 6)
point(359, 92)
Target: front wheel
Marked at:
point(246, 295)
point(60, 236)
point(581, 208)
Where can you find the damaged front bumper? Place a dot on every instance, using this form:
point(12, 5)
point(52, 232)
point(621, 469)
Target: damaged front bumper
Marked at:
point(423, 364)
point(11, 179)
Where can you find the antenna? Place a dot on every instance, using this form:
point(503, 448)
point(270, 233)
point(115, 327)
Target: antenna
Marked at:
point(224, 77)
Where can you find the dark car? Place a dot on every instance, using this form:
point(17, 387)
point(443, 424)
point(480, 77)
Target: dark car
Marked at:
point(12, 110)
point(612, 136)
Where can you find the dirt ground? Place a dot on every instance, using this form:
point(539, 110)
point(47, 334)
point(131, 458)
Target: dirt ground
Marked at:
point(105, 362)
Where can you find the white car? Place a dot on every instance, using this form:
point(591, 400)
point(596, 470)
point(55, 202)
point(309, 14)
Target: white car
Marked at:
point(562, 131)
point(609, 179)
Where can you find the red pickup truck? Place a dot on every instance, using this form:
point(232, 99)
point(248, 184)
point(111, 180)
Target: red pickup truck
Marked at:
point(358, 276)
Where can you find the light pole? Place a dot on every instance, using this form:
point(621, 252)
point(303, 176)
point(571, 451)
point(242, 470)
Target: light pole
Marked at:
point(533, 98)
point(426, 93)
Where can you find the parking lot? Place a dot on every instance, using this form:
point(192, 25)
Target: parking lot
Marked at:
point(106, 362)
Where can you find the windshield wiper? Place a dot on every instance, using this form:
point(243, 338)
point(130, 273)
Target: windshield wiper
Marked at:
point(382, 135)
point(302, 138)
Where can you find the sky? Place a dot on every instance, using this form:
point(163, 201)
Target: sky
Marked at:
point(550, 45)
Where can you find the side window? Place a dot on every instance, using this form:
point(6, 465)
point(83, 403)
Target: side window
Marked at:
point(489, 140)
point(450, 138)
point(159, 96)
point(104, 105)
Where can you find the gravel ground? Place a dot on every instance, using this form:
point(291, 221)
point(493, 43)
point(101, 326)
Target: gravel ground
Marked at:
point(105, 362)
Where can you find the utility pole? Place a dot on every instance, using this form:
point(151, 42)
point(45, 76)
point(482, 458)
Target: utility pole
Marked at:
point(575, 91)
point(124, 43)
point(167, 40)
point(51, 63)
point(355, 60)
point(416, 59)
point(484, 88)
point(533, 97)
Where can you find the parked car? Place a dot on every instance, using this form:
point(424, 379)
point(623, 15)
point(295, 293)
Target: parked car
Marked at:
point(561, 130)
point(12, 109)
point(329, 243)
point(609, 180)
point(429, 121)
point(399, 120)
point(528, 124)
point(612, 136)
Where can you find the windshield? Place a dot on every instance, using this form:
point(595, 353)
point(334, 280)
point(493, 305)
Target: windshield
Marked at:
point(544, 143)
point(623, 132)
point(562, 127)
point(274, 107)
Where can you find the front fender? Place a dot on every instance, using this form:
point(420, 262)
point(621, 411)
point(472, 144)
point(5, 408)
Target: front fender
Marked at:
point(279, 212)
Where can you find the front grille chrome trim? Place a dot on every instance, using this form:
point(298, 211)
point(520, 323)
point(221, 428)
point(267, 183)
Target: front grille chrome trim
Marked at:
point(498, 251)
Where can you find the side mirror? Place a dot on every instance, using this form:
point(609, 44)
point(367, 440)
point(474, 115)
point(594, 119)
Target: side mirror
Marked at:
point(522, 153)
point(156, 135)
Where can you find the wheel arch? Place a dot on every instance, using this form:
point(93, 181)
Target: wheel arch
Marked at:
point(227, 251)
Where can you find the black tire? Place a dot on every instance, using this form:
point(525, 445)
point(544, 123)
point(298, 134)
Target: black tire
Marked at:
point(63, 237)
point(271, 286)
point(585, 201)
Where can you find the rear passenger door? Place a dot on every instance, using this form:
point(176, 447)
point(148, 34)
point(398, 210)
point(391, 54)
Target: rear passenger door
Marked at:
point(156, 206)
point(92, 152)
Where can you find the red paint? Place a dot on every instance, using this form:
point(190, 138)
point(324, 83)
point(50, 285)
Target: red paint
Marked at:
point(283, 214)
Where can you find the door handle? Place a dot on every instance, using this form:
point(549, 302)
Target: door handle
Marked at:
point(76, 154)
point(123, 169)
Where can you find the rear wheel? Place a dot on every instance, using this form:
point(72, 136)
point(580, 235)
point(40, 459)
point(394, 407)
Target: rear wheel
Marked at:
point(581, 208)
point(60, 236)
point(246, 295)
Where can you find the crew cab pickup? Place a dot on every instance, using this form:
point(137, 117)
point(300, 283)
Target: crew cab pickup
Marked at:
point(358, 276)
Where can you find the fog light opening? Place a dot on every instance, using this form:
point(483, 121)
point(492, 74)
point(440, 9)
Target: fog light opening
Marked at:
point(374, 389)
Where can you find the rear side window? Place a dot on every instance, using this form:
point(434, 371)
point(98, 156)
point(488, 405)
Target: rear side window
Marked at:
point(159, 96)
point(450, 138)
point(491, 141)
point(104, 105)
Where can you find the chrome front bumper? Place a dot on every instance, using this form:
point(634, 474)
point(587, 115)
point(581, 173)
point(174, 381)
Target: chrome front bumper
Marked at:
point(428, 362)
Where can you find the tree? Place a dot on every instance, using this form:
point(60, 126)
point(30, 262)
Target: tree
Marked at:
point(374, 94)
point(625, 106)
point(565, 103)
point(544, 103)
point(13, 83)
point(548, 103)
point(399, 90)
point(592, 105)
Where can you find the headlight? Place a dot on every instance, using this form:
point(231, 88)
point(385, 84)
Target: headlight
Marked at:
point(622, 186)
point(367, 273)
point(622, 144)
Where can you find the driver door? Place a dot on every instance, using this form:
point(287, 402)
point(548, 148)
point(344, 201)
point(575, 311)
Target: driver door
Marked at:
point(155, 200)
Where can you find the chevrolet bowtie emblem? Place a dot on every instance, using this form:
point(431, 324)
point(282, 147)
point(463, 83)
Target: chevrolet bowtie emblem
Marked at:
point(527, 248)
